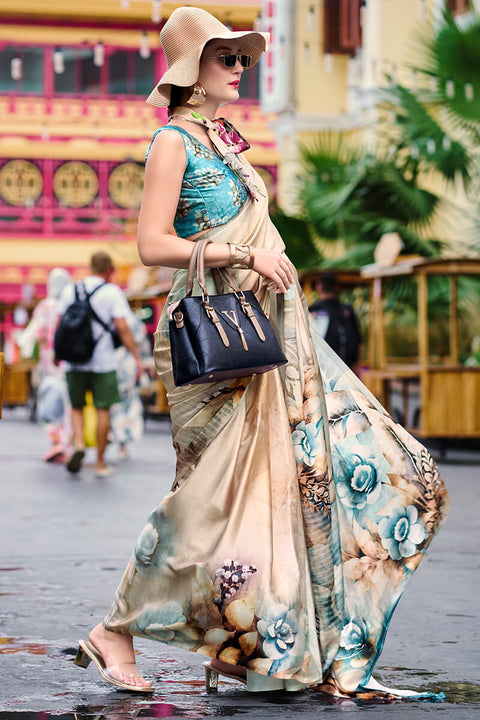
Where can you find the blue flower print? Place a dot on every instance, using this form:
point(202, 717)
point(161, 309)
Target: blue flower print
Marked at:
point(306, 442)
point(401, 532)
point(282, 641)
point(156, 543)
point(166, 624)
point(354, 639)
point(155, 621)
point(360, 484)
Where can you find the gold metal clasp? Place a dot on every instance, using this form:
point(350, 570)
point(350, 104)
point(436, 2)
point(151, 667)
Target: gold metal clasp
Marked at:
point(178, 317)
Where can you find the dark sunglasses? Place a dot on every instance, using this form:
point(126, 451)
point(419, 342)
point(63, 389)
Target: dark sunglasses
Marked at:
point(231, 60)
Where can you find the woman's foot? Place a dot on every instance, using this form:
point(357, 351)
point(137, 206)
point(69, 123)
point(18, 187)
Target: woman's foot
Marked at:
point(118, 655)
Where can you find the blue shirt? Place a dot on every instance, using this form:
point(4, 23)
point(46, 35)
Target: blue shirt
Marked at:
point(211, 193)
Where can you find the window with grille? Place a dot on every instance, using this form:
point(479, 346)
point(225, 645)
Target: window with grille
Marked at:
point(31, 80)
point(129, 73)
point(80, 75)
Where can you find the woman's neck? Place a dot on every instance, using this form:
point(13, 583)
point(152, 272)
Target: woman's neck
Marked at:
point(208, 110)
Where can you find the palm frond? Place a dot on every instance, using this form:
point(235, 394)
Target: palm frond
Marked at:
point(453, 58)
point(355, 256)
point(435, 146)
point(298, 239)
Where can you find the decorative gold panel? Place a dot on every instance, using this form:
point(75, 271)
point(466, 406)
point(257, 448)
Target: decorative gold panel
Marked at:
point(21, 182)
point(125, 185)
point(75, 184)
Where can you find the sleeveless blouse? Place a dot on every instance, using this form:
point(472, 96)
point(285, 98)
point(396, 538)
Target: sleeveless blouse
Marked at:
point(211, 193)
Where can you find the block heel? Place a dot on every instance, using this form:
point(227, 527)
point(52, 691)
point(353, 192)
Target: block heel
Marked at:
point(82, 659)
point(211, 678)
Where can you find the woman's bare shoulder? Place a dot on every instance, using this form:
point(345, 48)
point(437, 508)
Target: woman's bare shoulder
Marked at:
point(167, 147)
point(168, 138)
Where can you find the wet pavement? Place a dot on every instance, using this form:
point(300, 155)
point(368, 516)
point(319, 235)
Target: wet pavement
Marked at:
point(65, 542)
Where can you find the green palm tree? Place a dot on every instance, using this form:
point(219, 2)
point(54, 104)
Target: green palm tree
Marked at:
point(350, 197)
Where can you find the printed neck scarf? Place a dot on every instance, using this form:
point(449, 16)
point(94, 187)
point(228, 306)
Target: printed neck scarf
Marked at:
point(227, 141)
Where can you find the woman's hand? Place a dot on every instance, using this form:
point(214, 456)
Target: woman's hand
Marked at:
point(276, 269)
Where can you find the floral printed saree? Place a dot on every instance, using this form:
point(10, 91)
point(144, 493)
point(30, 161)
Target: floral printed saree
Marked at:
point(298, 513)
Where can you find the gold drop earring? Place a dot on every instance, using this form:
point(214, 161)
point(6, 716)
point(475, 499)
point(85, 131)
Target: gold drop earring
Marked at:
point(198, 96)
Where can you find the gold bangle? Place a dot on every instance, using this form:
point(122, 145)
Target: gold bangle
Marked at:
point(241, 256)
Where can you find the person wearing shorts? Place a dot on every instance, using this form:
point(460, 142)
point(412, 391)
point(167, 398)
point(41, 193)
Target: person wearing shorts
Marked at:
point(98, 375)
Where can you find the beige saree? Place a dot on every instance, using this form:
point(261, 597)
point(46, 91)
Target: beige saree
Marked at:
point(298, 512)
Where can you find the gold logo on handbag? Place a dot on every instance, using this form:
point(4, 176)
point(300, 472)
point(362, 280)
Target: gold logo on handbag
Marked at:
point(233, 319)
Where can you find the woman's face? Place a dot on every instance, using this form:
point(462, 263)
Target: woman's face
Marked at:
point(220, 82)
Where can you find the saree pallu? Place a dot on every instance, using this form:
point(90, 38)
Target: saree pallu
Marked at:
point(298, 512)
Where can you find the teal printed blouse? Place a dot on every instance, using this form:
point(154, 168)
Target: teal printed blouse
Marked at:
point(211, 193)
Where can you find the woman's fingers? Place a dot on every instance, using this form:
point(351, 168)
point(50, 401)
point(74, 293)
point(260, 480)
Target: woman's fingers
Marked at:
point(277, 285)
point(290, 273)
point(281, 280)
point(286, 276)
point(288, 268)
point(279, 277)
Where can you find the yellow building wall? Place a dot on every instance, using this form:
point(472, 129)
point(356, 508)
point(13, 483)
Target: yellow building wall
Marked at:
point(392, 35)
point(318, 89)
point(238, 13)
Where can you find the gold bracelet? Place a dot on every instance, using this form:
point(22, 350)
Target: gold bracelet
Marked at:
point(241, 256)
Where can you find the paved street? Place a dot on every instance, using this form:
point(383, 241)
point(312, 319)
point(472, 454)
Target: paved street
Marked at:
point(65, 542)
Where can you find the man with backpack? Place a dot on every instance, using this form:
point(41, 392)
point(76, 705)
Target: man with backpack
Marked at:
point(336, 321)
point(92, 323)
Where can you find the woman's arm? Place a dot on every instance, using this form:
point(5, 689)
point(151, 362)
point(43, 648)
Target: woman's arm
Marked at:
point(157, 246)
point(163, 181)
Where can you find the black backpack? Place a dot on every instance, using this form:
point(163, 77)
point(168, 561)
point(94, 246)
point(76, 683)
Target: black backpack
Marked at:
point(74, 340)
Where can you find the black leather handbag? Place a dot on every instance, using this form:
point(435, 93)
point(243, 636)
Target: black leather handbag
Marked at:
point(218, 337)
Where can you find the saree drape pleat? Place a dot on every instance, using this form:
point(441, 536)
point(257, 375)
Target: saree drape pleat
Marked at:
point(298, 512)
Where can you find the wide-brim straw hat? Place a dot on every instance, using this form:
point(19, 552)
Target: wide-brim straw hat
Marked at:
point(183, 39)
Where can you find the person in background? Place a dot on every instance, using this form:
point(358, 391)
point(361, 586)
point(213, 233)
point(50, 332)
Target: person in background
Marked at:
point(98, 374)
point(126, 417)
point(336, 321)
point(53, 407)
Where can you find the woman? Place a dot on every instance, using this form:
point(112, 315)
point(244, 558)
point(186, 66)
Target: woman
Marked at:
point(53, 405)
point(286, 540)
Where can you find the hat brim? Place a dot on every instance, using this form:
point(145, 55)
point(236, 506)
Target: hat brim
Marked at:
point(184, 72)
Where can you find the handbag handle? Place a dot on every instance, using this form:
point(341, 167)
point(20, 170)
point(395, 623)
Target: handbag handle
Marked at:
point(196, 266)
point(223, 272)
point(192, 267)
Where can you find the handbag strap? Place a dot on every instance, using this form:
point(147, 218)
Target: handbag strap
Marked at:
point(223, 272)
point(196, 266)
point(192, 266)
